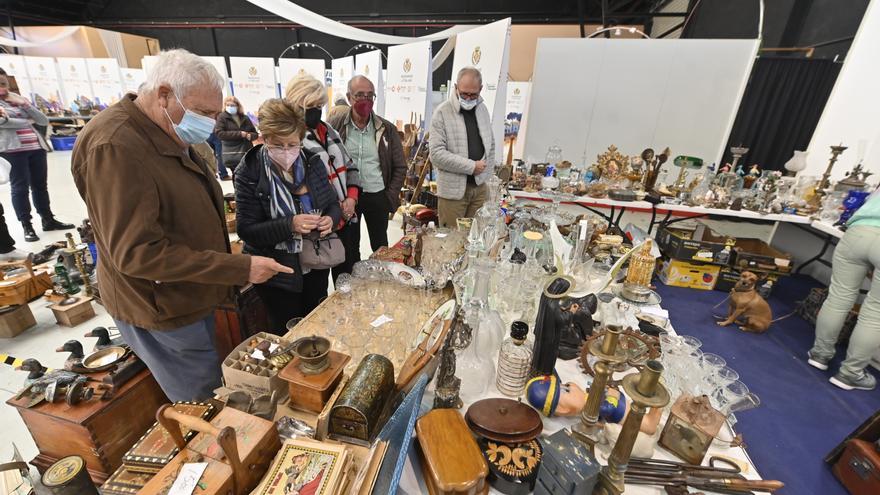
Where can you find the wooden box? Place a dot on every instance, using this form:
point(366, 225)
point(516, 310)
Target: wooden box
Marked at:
point(157, 448)
point(125, 482)
point(74, 314)
point(100, 432)
point(24, 288)
point(356, 415)
point(238, 447)
point(311, 392)
point(451, 459)
point(16, 320)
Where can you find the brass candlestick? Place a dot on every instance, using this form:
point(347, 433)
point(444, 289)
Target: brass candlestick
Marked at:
point(825, 182)
point(609, 354)
point(646, 391)
point(79, 259)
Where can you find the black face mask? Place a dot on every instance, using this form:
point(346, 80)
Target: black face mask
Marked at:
point(313, 117)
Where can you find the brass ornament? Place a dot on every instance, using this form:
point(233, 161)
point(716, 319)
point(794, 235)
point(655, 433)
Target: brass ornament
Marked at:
point(638, 346)
point(612, 164)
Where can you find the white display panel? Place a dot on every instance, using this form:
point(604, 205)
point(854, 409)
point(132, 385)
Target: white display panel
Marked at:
point(851, 113)
point(132, 79)
point(588, 94)
point(74, 79)
point(106, 85)
point(488, 48)
point(219, 63)
point(369, 65)
point(253, 82)
point(289, 68)
point(409, 79)
point(43, 75)
point(14, 66)
point(343, 70)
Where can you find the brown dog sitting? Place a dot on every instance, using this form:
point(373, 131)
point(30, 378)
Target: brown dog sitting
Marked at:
point(747, 308)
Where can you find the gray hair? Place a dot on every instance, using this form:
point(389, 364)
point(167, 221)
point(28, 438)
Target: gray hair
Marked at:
point(183, 72)
point(357, 77)
point(470, 71)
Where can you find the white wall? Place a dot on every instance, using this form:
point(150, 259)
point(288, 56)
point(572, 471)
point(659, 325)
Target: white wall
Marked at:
point(588, 94)
point(852, 114)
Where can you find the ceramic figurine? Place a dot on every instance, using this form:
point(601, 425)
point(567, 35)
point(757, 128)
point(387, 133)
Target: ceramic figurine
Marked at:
point(38, 379)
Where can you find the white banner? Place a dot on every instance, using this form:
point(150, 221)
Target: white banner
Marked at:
point(106, 85)
point(219, 63)
point(488, 48)
point(253, 82)
point(132, 79)
point(14, 66)
point(288, 68)
point(147, 63)
point(408, 84)
point(343, 70)
point(74, 79)
point(517, 101)
point(369, 65)
point(43, 75)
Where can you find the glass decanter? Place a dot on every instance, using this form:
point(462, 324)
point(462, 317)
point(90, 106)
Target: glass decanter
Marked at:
point(488, 222)
point(474, 364)
point(514, 360)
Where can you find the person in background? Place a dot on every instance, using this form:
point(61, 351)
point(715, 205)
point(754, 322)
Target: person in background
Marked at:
point(159, 225)
point(856, 256)
point(375, 146)
point(276, 185)
point(462, 148)
point(306, 92)
point(217, 147)
point(8, 252)
point(237, 133)
point(340, 107)
point(25, 149)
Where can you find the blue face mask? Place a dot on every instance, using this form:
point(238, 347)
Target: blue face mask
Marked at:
point(193, 128)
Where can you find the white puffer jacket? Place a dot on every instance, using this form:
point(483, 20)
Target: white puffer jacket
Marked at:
point(449, 148)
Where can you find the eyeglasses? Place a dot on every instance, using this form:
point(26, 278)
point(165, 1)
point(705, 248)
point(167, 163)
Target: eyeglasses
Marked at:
point(291, 147)
point(364, 96)
point(468, 96)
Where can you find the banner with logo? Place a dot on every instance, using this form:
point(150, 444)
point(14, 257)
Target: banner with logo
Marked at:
point(289, 68)
point(488, 48)
point(343, 70)
point(45, 83)
point(253, 82)
point(75, 82)
point(517, 101)
point(132, 79)
point(408, 86)
point(369, 65)
point(14, 66)
point(106, 85)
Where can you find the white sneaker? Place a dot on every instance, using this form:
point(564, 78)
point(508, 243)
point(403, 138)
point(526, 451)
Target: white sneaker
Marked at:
point(14, 255)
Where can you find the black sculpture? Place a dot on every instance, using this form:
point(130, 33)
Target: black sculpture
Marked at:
point(563, 323)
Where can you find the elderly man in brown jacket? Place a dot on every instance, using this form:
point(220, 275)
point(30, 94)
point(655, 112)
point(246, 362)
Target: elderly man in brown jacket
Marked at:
point(157, 211)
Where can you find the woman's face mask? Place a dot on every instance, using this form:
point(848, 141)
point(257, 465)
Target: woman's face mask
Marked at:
point(231, 109)
point(284, 157)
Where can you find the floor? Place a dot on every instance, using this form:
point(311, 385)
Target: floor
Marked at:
point(802, 416)
point(41, 341)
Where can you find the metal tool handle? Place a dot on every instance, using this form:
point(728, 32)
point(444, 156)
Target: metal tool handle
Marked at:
point(757, 485)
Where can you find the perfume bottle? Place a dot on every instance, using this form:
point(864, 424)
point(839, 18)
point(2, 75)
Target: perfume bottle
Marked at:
point(514, 360)
point(474, 364)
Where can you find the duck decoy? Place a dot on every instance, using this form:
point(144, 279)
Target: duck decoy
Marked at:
point(104, 339)
point(75, 358)
point(35, 387)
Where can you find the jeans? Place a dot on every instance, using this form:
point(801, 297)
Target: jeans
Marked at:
point(451, 209)
point(217, 146)
point(184, 361)
point(857, 253)
point(29, 175)
point(373, 207)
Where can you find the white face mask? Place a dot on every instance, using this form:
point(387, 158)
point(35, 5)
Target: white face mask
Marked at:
point(231, 109)
point(469, 105)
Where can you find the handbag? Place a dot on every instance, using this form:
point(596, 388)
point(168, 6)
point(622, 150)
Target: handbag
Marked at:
point(321, 253)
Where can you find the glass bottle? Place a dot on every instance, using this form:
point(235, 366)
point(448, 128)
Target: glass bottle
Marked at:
point(474, 365)
point(488, 222)
point(514, 360)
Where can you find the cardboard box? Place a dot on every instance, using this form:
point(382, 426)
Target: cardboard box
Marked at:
point(15, 321)
point(261, 379)
point(678, 273)
point(74, 314)
point(697, 244)
point(728, 277)
point(755, 254)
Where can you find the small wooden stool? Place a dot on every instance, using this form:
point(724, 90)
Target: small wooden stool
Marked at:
point(74, 314)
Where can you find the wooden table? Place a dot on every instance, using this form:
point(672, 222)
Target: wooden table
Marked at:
point(98, 431)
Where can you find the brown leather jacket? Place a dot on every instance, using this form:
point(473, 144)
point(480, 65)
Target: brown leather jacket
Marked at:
point(160, 229)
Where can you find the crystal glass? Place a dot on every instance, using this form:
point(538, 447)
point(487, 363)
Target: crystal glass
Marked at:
point(734, 393)
point(711, 363)
point(475, 365)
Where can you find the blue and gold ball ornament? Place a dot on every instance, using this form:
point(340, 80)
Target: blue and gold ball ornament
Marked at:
point(542, 392)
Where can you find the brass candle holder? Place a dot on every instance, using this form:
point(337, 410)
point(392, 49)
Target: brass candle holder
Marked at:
point(825, 181)
point(609, 354)
point(645, 391)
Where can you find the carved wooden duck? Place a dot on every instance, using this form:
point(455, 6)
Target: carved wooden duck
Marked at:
point(75, 358)
point(104, 339)
point(38, 378)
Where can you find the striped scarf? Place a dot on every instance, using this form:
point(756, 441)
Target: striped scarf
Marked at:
point(281, 202)
point(335, 158)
